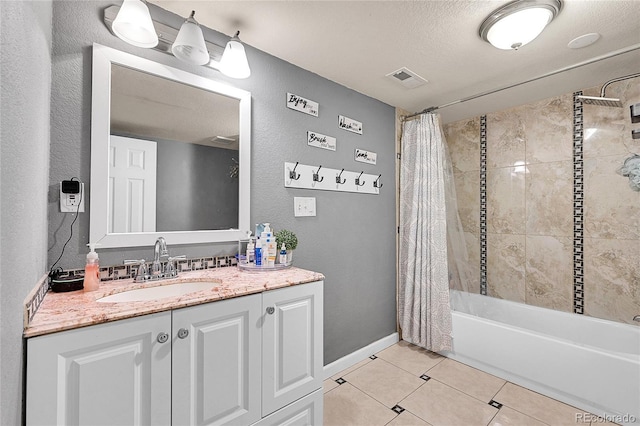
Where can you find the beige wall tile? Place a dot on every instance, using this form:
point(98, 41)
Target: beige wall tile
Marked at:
point(505, 201)
point(549, 272)
point(611, 208)
point(505, 138)
point(548, 128)
point(549, 198)
point(612, 279)
point(506, 266)
point(473, 263)
point(468, 198)
point(463, 140)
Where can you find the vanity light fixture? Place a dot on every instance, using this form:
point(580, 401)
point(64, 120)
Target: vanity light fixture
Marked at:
point(133, 24)
point(518, 22)
point(234, 60)
point(189, 45)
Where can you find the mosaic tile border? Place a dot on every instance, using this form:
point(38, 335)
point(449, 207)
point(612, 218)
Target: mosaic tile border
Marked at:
point(483, 205)
point(123, 272)
point(578, 206)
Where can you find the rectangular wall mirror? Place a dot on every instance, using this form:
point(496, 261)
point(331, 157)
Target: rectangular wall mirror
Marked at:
point(170, 154)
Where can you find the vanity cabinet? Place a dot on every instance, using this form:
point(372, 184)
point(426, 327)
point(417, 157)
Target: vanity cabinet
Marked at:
point(237, 361)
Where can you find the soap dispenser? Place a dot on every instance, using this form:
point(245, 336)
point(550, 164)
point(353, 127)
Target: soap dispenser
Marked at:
point(92, 270)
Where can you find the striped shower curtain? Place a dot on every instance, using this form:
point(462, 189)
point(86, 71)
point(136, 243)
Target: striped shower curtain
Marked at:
point(424, 307)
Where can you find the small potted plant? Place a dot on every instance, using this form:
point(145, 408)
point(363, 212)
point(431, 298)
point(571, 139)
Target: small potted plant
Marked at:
point(290, 242)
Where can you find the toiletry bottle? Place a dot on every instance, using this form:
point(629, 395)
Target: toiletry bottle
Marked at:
point(250, 251)
point(283, 254)
point(92, 270)
point(269, 248)
point(258, 252)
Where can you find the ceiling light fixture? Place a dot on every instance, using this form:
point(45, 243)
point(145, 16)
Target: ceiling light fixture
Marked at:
point(518, 23)
point(189, 45)
point(133, 24)
point(234, 60)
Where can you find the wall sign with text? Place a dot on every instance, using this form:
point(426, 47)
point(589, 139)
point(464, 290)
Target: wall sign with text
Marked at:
point(321, 141)
point(349, 124)
point(365, 156)
point(301, 104)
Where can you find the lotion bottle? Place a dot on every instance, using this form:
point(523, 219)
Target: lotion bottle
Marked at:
point(92, 270)
point(250, 251)
point(283, 254)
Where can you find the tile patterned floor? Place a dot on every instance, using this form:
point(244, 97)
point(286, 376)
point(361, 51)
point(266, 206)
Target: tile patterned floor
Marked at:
point(405, 385)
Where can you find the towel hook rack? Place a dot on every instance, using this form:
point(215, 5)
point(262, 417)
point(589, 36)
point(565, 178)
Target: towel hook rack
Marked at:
point(292, 174)
point(376, 183)
point(340, 181)
point(358, 180)
point(316, 175)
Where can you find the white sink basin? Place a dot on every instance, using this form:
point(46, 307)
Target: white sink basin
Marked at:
point(158, 292)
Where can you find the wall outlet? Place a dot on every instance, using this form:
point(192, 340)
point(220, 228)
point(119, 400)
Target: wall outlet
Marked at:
point(304, 206)
point(72, 203)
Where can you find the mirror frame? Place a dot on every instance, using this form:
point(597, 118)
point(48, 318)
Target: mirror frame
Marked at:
point(103, 58)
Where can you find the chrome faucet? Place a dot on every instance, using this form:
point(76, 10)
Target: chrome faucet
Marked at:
point(159, 250)
point(636, 318)
point(156, 272)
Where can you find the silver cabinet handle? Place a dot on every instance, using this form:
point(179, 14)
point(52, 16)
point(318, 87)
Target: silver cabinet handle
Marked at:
point(183, 333)
point(162, 337)
point(271, 310)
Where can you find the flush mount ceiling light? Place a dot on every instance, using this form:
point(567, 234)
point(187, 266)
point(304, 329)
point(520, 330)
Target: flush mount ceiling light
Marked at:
point(234, 60)
point(189, 45)
point(133, 24)
point(519, 22)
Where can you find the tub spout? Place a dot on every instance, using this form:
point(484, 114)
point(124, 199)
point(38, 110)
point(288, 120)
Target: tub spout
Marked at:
point(636, 318)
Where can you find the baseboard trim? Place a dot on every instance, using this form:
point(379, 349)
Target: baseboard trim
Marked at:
point(359, 355)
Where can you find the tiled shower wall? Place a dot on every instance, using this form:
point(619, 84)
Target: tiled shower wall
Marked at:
point(530, 208)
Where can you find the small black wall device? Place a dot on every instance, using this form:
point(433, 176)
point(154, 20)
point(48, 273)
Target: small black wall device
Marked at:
point(70, 187)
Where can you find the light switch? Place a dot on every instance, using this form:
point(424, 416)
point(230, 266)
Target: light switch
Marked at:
point(304, 206)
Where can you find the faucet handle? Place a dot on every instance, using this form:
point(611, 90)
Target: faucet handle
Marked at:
point(171, 270)
point(142, 268)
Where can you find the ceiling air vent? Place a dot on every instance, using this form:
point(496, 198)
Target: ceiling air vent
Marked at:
point(407, 78)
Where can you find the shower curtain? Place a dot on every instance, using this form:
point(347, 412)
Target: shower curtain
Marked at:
point(424, 273)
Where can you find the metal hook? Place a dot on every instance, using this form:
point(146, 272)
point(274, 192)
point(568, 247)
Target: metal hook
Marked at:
point(292, 174)
point(338, 180)
point(316, 178)
point(358, 180)
point(376, 183)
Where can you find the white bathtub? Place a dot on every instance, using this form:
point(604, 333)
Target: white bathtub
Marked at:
point(586, 362)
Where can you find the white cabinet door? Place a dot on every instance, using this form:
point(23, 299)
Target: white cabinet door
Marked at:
point(116, 373)
point(291, 344)
point(306, 411)
point(216, 363)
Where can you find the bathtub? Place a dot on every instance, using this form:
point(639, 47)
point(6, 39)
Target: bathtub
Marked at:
point(586, 362)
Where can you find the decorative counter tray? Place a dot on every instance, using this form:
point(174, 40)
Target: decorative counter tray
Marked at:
point(252, 267)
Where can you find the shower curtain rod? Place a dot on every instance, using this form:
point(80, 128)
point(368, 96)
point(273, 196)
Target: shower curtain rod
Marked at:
point(549, 74)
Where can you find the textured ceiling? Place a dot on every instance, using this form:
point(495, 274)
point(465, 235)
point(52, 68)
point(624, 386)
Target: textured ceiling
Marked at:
point(357, 43)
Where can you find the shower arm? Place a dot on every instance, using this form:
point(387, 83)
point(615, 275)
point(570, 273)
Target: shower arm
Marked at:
point(615, 80)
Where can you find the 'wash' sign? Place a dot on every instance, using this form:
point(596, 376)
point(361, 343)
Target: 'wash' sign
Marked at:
point(346, 123)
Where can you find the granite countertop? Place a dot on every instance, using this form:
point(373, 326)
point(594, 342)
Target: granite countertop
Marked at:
point(66, 311)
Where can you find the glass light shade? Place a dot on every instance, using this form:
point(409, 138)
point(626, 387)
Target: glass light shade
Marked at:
point(234, 62)
point(133, 24)
point(189, 45)
point(519, 28)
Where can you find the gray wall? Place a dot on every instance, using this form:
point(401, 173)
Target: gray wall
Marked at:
point(25, 73)
point(351, 240)
point(195, 190)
